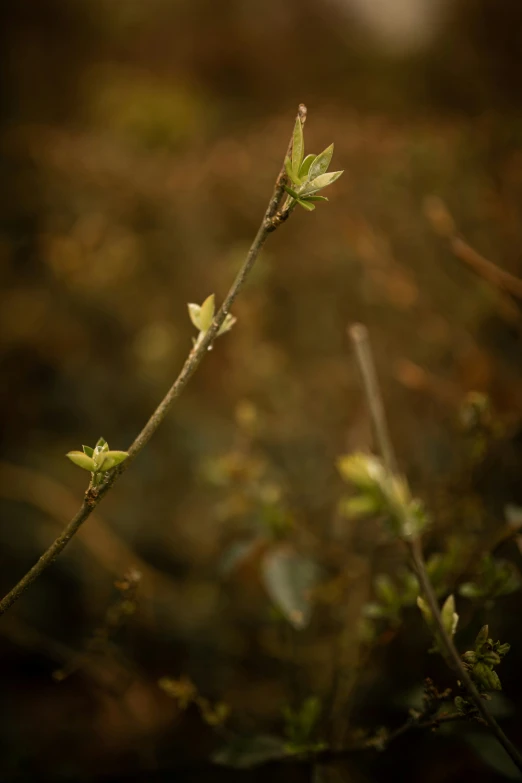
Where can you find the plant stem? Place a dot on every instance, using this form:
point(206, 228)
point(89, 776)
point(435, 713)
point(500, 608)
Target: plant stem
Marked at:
point(359, 336)
point(419, 565)
point(272, 218)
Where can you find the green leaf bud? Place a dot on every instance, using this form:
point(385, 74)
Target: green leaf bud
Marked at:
point(206, 314)
point(110, 459)
point(82, 460)
point(297, 146)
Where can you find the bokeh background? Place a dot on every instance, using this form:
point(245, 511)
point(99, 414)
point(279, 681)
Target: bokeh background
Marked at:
point(139, 145)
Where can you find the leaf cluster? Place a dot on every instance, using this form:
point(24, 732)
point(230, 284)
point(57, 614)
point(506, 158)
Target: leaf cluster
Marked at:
point(309, 174)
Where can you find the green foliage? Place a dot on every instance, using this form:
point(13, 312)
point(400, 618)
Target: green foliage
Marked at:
point(309, 174)
point(300, 725)
point(494, 578)
point(97, 460)
point(450, 621)
point(392, 596)
point(482, 660)
point(382, 494)
point(203, 315)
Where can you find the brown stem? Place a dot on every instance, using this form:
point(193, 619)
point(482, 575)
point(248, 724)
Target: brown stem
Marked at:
point(272, 218)
point(359, 335)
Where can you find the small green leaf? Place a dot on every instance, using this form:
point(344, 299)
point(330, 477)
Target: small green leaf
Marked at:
point(425, 609)
point(289, 578)
point(109, 459)
point(81, 459)
point(321, 163)
point(227, 324)
point(101, 445)
point(449, 616)
point(320, 182)
point(305, 166)
point(486, 678)
point(316, 198)
point(206, 314)
point(195, 314)
point(291, 173)
point(297, 147)
point(88, 450)
point(482, 637)
point(363, 470)
point(306, 205)
point(470, 590)
point(292, 193)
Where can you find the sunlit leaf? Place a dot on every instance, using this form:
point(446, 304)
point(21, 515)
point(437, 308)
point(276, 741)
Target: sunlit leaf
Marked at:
point(195, 314)
point(449, 616)
point(297, 147)
point(82, 460)
point(320, 182)
point(289, 579)
point(109, 459)
point(321, 163)
point(206, 314)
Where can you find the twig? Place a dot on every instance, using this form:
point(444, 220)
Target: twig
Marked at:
point(361, 342)
point(443, 223)
point(26, 485)
point(498, 277)
point(364, 353)
point(272, 218)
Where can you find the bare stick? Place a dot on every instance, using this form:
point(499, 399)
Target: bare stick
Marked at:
point(272, 218)
point(359, 335)
point(442, 222)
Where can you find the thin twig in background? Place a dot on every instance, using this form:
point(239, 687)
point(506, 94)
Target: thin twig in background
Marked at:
point(443, 223)
point(272, 218)
point(359, 335)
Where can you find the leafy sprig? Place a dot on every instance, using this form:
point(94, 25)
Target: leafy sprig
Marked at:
point(309, 174)
point(98, 459)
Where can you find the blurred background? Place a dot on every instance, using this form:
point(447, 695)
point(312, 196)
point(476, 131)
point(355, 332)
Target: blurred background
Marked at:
point(139, 145)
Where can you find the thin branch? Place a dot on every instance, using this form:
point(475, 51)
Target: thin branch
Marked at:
point(359, 335)
point(442, 222)
point(486, 269)
point(364, 353)
point(272, 218)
